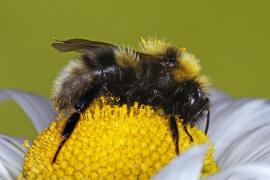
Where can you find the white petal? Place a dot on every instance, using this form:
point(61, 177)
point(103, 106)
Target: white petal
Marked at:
point(217, 96)
point(39, 109)
point(250, 147)
point(11, 155)
point(4, 174)
point(254, 171)
point(186, 166)
point(218, 101)
point(233, 122)
point(14, 140)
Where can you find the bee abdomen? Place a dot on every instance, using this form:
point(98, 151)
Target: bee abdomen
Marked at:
point(70, 84)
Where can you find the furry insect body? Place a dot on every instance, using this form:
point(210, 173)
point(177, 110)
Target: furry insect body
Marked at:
point(161, 76)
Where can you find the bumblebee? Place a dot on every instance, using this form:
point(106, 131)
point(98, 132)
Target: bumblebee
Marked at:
point(161, 75)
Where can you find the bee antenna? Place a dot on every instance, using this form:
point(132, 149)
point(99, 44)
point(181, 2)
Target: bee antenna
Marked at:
point(208, 120)
point(54, 38)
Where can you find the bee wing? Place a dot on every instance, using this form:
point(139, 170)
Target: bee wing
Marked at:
point(80, 45)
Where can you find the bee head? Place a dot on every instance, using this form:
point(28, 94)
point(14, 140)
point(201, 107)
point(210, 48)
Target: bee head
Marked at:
point(191, 101)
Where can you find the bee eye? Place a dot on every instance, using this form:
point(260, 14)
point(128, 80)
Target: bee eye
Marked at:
point(191, 101)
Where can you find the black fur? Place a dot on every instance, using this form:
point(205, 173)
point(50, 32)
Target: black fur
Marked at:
point(151, 83)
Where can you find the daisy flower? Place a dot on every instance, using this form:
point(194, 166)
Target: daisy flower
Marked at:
point(239, 130)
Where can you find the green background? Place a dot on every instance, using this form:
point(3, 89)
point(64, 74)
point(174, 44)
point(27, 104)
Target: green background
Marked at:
point(230, 37)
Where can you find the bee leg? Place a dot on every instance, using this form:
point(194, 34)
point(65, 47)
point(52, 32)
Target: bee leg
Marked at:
point(80, 107)
point(186, 131)
point(207, 122)
point(175, 134)
point(58, 150)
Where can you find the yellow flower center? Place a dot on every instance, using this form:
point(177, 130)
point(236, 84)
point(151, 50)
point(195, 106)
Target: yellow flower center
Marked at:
point(111, 142)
